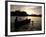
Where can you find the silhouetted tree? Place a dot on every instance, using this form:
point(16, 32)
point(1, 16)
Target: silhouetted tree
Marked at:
point(18, 13)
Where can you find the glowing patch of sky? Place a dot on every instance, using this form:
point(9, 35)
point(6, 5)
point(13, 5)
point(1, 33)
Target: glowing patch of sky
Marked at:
point(27, 8)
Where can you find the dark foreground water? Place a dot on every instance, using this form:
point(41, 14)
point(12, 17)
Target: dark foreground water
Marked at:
point(32, 26)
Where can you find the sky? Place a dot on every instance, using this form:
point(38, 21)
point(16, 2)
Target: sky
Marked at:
point(29, 9)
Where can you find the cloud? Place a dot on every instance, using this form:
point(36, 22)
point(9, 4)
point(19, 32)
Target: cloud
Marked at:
point(30, 8)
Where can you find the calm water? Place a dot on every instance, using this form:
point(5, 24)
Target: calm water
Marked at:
point(36, 22)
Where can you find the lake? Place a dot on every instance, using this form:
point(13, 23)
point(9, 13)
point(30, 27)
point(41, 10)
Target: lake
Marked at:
point(36, 25)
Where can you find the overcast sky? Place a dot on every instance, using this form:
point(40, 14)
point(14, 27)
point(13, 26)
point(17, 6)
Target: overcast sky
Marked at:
point(28, 8)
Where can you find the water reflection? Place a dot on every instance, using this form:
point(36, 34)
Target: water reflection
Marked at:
point(34, 25)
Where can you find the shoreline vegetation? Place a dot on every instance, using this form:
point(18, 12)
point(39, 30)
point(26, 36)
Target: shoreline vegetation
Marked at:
point(23, 13)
